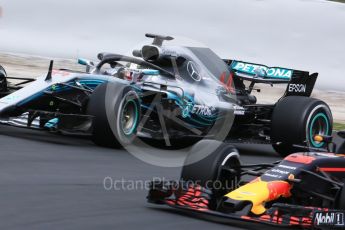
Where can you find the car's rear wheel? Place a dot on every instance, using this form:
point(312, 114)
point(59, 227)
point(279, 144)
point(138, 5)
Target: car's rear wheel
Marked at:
point(116, 111)
point(217, 171)
point(296, 120)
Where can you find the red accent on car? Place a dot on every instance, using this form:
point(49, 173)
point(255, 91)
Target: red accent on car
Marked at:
point(278, 189)
point(332, 169)
point(193, 199)
point(61, 72)
point(298, 158)
point(230, 83)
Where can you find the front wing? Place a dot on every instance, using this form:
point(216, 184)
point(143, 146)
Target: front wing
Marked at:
point(199, 200)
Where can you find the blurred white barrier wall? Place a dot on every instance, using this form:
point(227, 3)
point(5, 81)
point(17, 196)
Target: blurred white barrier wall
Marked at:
point(302, 34)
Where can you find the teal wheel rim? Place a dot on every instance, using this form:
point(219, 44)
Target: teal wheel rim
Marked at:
point(318, 126)
point(129, 117)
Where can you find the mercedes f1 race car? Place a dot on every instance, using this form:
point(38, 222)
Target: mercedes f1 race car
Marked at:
point(305, 190)
point(168, 93)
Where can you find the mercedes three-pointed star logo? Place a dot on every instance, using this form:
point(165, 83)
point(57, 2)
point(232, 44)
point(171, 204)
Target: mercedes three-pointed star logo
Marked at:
point(192, 70)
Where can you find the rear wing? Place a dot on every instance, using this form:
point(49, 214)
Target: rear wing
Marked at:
point(299, 83)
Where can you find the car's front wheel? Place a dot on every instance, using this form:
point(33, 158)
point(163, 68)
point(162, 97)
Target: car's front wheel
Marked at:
point(217, 171)
point(116, 114)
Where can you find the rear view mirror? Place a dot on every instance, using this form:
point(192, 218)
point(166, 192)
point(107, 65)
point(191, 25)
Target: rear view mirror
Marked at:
point(89, 64)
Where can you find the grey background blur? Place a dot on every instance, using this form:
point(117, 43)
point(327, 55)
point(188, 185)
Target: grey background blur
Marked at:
point(301, 34)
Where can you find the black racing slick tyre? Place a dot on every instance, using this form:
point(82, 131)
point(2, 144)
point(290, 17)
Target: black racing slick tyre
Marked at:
point(296, 120)
point(116, 114)
point(214, 170)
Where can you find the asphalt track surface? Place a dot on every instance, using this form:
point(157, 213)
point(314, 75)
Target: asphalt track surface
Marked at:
point(51, 182)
